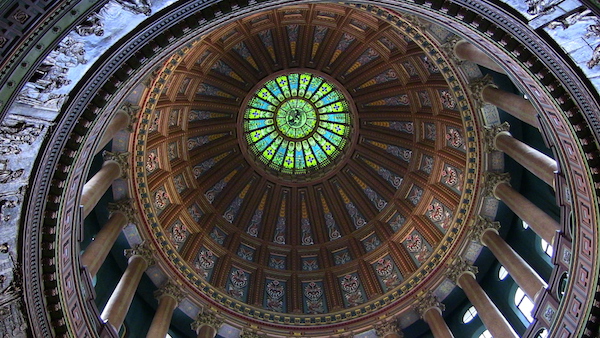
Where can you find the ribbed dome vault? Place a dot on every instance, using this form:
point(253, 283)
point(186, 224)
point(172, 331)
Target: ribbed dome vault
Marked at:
point(360, 232)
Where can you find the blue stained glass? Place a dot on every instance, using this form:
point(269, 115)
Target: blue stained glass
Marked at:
point(261, 104)
point(321, 156)
point(341, 118)
point(293, 83)
point(274, 88)
point(330, 98)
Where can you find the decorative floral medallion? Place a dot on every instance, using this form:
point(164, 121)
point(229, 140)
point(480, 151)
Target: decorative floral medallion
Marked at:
point(297, 124)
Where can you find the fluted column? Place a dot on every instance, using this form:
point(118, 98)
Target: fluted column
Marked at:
point(121, 213)
point(123, 119)
point(140, 257)
point(115, 166)
point(389, 329)
point(206, 325)
point(467, 51)
point(168, 297)
point(485, 91)
point(541, 165)
point(431, 311)
point(486, 232)
point(541, 223)
point(463, 274)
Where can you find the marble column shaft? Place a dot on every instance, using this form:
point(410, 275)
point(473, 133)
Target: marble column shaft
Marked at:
point(513, 104)
point(168, 298)
point(98, 184)
point(517, 267)
point(119, 121)
point(466, 51)
point(533, 160)
point(539, 221)
point(96, 252)
point(491, 317)
point(118, 305)
point(439, 328)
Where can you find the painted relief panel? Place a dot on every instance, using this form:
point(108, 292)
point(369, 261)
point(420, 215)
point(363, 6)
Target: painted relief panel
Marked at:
point(218, 235)
point(371, 242)
point(152, 161)
point(278, 262)
point(238, 283)
point(178, 234)
point(275, 298)
point(161, 199)
point(195, 212)
point(246, 252)
point(426, 164)
point(439, 214)
point(417, 247)
point(353, 292)
point(341, 256)
point(205, 263)
point(452, 177)
point(310, 263)
point(313, 297)
point(387, 273)
point(455, 139)
point(396, 221)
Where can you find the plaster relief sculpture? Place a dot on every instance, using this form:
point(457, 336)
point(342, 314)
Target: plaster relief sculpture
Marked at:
point(136, 6)
point(93, 25)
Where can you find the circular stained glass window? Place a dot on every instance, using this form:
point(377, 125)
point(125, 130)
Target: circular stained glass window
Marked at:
point(297, 124)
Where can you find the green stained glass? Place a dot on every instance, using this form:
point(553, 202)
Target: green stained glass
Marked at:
point(297, 124)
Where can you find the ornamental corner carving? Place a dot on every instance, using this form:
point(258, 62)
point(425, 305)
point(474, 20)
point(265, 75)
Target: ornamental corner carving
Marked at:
point(125, 207)
point(477, 86)
point(492, 179)
point(92, 25)
point(490, 133)
point(132, 111)
point(170, 289)
point(427, 301)
point(385, 328)
point(449, 49)
point(121, 158)
point(143, 250)
point(458, 267)
point(206, 319)
point(480, 226)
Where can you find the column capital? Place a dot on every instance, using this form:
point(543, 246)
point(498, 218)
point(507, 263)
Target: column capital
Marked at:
point(426, 301)
point(477, 86)
point(492, 179)
point(249, 334)
point(125, 207)
point(170, 289)
point(414, 20)
point(121, 158)
point(490, 133)
point(384, 328)
point(206, 318)
point(132, 111)
point(480, 226)
point(449, 48)
point(459, 267)
point(143, 250)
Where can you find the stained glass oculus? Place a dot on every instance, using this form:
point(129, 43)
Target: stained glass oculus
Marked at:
point(297, 124)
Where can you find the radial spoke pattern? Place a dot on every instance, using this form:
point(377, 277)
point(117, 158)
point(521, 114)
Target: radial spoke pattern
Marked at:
point(297, 123)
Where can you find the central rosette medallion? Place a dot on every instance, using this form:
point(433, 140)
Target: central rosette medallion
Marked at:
point(298, 125)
